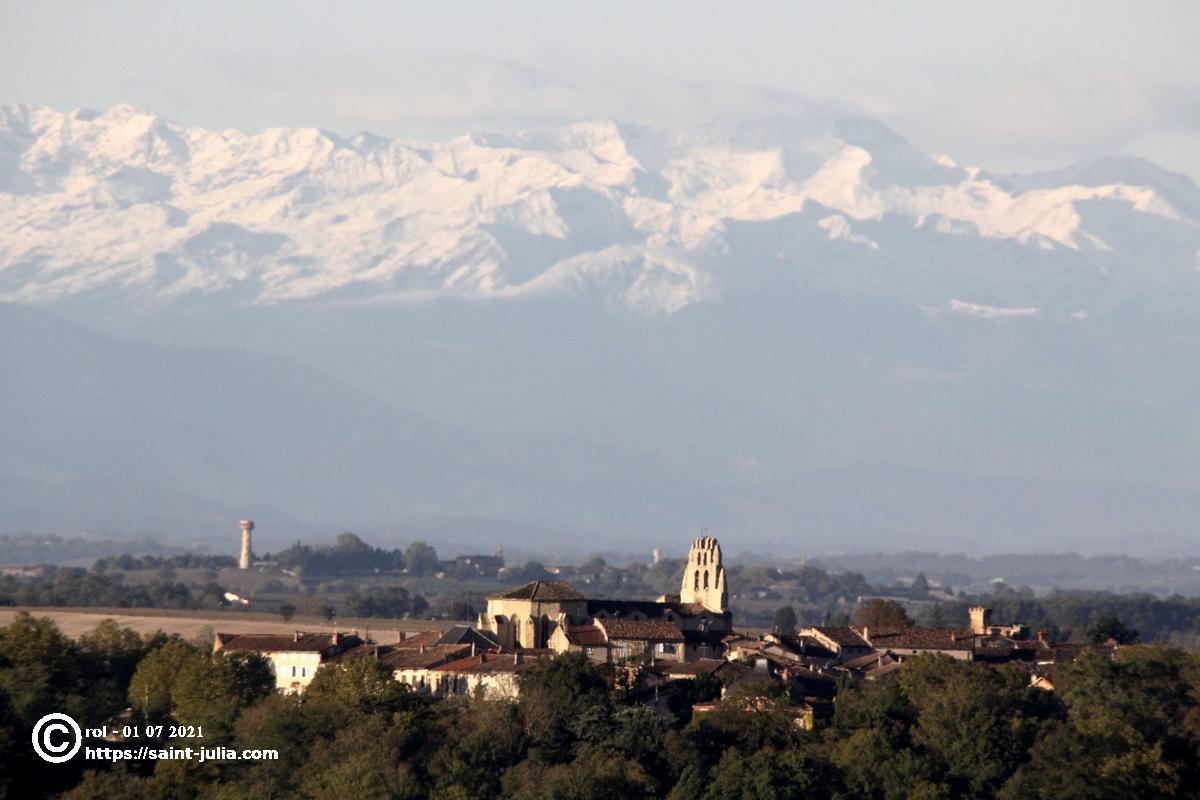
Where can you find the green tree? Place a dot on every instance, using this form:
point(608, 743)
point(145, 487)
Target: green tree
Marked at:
point(110, 653)
point(770, 775)
point(555, 692)
point(480, 747)
point(882, 615)
point(287, 611)
point(784, 622)
point(212, 689)
point(40, 670)
point(362, 685)
point(369, 756)
point(350, 543)
point(975, 720)
point(193, 687)
point(1132, 729)
point(153, 682)
point(107, 784)
point(1110, 628)
point(290, 727)
point(421, 559)
point(881, 765)
point(596, 773)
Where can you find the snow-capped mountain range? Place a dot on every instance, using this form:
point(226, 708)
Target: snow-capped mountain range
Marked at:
point(127, 203)
point(800, 331)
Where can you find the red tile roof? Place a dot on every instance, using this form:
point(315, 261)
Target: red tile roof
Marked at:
point(488, 663)
point(586, 635)
point(703, 666)
point(641, 629)
point(872, 659)
point(546, 591)
point(923, 639)
point(360, 651)
point(842, 635)
point(285, 643)
point(416, 658)
point(419, 639)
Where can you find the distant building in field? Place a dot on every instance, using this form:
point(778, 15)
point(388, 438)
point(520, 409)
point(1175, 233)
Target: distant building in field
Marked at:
point(486, 566)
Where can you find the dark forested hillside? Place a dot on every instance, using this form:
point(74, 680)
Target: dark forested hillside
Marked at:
point(1114, 728)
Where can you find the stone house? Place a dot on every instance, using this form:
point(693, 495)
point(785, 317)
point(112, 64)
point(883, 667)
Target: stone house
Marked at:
point(843, 641)
point(294, 658)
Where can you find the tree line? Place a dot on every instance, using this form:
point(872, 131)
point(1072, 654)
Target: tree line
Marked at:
point(70, 587)
point(1120, 727)
point(350, 555)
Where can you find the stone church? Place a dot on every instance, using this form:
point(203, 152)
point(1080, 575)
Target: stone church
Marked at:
point(554, 615)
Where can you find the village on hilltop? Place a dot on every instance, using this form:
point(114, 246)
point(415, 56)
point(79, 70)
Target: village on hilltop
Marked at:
point(651, 647)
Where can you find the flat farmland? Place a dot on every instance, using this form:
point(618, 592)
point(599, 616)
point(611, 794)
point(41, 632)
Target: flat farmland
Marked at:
point(192, 624)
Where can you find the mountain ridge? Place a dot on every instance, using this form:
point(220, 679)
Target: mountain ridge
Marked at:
point(128, 203)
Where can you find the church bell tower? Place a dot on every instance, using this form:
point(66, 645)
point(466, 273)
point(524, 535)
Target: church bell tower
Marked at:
point(704, 578)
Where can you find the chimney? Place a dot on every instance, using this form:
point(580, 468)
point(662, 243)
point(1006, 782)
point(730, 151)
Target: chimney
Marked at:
point(421, 648)
point(336, 638)
point(518, 658)
point(1043, 635)
point(247, 525)
point(296, 636)
point(472, 648)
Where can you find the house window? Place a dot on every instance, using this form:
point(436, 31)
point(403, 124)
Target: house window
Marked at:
point(663, 647)
point(705, 579)
point(304, 672)
point(697, 580)
point(293, 670)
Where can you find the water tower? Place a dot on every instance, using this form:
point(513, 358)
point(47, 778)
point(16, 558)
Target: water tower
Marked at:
point(244, 560)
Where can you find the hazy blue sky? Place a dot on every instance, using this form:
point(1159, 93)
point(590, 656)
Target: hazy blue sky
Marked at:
point(1005, 85)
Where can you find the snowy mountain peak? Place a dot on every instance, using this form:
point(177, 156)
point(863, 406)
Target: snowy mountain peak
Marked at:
point(127, 202)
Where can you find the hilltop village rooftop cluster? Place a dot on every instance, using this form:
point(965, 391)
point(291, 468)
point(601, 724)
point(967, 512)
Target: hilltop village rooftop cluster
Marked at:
point(649, 644)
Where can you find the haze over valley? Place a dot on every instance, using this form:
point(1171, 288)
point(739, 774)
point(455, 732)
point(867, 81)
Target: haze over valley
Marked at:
point(797, 330)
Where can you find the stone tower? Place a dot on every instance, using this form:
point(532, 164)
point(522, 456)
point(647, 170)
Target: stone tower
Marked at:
point(981, 620)
point(704, 577)
point(244, 560)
